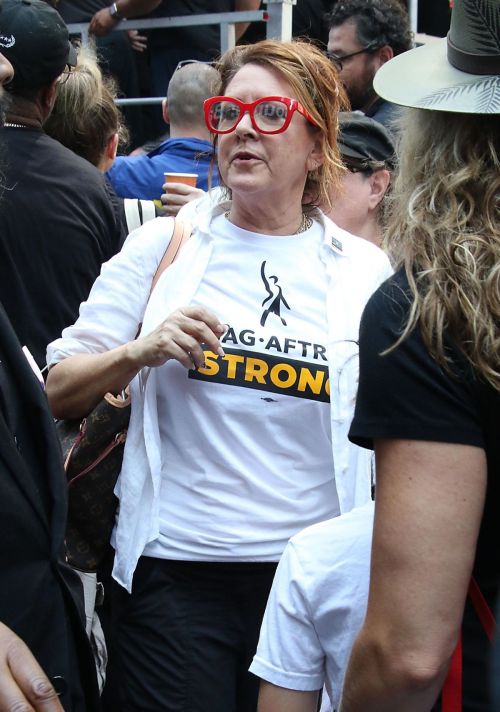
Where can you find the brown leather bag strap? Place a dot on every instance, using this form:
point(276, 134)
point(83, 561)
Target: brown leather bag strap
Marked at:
point(181, 233)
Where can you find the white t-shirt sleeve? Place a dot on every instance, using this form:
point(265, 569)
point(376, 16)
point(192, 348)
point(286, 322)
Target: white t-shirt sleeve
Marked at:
point(289, 653)
point(115, 306)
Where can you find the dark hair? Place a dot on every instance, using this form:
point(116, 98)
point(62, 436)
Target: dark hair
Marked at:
point(385, 22)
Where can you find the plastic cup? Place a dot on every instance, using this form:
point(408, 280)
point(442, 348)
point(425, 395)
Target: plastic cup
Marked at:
point(185, 178)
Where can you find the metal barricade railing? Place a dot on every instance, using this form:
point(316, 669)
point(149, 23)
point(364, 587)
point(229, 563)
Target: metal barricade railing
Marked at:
point(226, 20)
point(278, 18)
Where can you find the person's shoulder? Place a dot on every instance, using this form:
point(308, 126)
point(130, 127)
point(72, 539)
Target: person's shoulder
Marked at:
point(161, 148)
point(122, 163)
point(323, 544)
point(352, 245)
point(368, 264)
point(190, 143)
point(67, 155)
point(386, 113)
point(393, 296)
point(80, 178)
point(150, 234)
point(71, 166)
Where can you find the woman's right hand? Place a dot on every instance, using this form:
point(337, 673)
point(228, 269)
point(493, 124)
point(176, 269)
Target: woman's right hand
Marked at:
point(180, 337)
point(76, 384)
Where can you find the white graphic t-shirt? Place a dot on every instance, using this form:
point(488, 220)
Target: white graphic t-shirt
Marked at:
point(247, 459)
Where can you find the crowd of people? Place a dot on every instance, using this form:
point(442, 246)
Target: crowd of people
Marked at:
point(309, 493)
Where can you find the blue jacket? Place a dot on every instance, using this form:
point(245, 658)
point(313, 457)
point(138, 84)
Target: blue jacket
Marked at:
point(142, 176)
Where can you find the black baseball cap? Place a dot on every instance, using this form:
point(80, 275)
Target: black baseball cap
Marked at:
point(365, 139)
point(35, 40)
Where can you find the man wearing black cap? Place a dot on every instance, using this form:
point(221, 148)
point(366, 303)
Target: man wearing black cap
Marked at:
point(45, 658)
point(58, 224)
point(368, 153)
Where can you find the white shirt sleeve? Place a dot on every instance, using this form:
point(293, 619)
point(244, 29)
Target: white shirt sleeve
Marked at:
point(317, 604)
point(115, 306)
point(289, 653)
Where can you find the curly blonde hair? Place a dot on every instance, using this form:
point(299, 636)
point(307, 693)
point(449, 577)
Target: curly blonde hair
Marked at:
point(316, 85)
point(444, 229)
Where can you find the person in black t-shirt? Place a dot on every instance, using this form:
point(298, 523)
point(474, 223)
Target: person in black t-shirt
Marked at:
point(429, 390)
point(58, 223)
point(45, 657)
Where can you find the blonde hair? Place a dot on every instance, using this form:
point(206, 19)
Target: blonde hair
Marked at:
point(85, 115)
point(444, 229)
point(316, 85)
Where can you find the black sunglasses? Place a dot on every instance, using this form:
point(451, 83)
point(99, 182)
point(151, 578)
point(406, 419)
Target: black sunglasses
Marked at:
point(338, 59)
point(185, 62)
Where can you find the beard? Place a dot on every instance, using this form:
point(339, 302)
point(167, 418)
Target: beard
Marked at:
point(5, 102)
point(361, 98)
point(360, 92)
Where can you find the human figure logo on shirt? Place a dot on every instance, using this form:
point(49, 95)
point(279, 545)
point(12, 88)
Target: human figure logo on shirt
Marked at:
point(273, 302)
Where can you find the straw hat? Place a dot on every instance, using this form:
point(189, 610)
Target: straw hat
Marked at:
point(460, 73)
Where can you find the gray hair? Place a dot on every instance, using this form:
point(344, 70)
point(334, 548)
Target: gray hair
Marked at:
point(188, 88)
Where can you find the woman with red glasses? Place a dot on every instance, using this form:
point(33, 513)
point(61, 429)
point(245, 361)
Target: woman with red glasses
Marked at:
point(243, 380)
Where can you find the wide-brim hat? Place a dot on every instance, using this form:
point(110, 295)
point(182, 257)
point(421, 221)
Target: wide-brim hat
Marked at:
point(460, 73)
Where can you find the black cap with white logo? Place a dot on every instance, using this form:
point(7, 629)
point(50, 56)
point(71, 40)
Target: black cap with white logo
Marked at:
point(35, 40)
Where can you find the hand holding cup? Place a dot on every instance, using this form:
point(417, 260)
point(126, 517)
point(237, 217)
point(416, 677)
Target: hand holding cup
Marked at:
point(179, 189)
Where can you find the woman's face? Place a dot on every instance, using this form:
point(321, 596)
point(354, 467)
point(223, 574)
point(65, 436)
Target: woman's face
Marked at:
point(269, 167)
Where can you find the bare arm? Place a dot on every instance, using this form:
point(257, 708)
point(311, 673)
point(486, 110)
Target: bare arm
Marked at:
point(280, 699)
point(76, 384)
point(429, 504)
point(102, 23)
point(242, 6)
point(23, 684)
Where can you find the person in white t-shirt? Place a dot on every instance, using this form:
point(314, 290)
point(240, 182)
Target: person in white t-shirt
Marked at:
point(315, 609)
point(240, 409)
point(368, 153)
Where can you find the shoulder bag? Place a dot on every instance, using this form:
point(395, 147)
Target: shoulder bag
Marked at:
point(93, 454)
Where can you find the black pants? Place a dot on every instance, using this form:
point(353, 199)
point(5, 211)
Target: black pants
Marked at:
point(187, 635)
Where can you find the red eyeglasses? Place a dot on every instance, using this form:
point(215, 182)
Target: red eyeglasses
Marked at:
point(269, 115)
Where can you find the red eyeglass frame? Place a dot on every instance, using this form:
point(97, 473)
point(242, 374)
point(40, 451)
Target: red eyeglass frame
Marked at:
point(292, 105)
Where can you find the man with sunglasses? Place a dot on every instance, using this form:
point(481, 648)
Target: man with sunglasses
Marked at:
point(364, 35)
